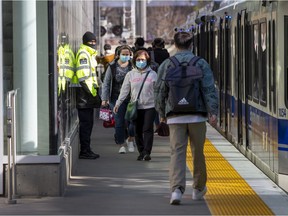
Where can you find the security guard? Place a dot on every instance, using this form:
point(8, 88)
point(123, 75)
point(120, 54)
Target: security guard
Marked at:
point(63, 95)
point(87, 95)
point(69, 71)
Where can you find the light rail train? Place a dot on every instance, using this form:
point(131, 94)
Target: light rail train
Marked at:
point(246, 44)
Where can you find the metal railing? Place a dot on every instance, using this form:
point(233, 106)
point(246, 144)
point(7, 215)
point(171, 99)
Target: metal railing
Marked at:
point(11, 147)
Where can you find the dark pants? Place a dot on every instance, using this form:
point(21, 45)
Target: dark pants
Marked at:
point(86, 117)
point(144, 129)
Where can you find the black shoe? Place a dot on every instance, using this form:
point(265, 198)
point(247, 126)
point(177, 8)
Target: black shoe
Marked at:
point(96, 155)
point(88, 155)
point(140, 157)
point(147, 157)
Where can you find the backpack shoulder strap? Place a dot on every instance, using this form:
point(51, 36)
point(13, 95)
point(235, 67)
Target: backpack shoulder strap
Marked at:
point(194, 60)
point(113, 69)
point(174, 60)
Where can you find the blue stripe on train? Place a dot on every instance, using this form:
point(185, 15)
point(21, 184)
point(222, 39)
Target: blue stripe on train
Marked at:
point(282, 149)
point(282, 132)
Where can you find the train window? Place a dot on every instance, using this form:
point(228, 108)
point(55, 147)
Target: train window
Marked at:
point(255, 62)
point(216, 59)
point(263, 63)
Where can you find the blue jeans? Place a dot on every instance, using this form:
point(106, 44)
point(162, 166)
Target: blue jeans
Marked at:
point(121, 125)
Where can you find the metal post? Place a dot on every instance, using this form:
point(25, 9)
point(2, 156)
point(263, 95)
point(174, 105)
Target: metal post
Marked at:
point(10, 200)
point(14, 146)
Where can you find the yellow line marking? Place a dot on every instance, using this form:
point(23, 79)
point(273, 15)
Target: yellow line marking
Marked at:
point(228, 193)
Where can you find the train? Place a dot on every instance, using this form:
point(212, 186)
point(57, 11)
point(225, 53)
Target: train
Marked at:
point(246, 45)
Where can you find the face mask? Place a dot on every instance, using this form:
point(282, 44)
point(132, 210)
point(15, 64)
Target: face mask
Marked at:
point(141, 64)
point(93, 46)
point(124, 58)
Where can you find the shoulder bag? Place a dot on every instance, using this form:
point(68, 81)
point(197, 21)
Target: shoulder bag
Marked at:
point(131, 112)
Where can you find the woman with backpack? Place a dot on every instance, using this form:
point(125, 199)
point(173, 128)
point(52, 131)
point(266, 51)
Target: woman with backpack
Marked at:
point(114, 77)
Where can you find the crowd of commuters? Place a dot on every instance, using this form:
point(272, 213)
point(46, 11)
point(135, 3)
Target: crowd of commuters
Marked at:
point(126, 71)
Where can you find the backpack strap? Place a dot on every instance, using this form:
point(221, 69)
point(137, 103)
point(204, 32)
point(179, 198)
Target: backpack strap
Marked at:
point(194, 60)
point(113, 69)
point(174, 60)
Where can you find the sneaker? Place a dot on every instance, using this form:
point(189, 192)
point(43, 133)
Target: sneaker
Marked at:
point(140, 157)
point(88, 155)
point(122, 150)
point(176, 197)
point(147, 157)
point(130, 146)
point(198, 194)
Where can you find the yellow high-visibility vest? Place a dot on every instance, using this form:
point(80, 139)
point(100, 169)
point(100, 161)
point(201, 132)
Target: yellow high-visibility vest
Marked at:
point(86, 67)
point(69, 67)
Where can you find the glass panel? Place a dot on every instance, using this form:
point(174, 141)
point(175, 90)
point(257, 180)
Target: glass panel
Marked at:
point(7, 58)
point(255, 57)
point(263, 63)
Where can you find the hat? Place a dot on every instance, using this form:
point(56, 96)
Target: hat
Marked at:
point(139, 41)
point(158, 42)
point(107, 47)
point(88, 37)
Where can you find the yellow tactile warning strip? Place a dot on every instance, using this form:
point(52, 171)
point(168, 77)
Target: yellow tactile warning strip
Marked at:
point(228, 193)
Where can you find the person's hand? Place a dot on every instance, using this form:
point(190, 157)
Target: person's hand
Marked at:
point(104, 103)
point(213, 120)
point(115, 109)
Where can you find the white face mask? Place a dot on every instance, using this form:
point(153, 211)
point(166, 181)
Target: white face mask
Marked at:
point(108, 52)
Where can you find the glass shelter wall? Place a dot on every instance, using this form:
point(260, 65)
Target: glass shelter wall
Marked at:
point(33, 32)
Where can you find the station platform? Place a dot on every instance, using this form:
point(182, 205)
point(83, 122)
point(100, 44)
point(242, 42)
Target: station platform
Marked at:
point(118, 184)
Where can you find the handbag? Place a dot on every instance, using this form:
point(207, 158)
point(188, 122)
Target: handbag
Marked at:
point(110, 123)
point(131, 111)
point(163, 129)
point(105, 113)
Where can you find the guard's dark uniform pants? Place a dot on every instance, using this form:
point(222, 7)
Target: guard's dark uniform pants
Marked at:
point(86, 117)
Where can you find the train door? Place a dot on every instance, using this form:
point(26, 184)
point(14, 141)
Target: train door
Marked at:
point(221, 77)
point(239, 78)
point(272, 90)
point(224, 51)
point(241, 83)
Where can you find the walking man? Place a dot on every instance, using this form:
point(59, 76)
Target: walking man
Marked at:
point(186, 125)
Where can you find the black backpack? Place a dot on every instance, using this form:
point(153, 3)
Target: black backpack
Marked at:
point(183, 81)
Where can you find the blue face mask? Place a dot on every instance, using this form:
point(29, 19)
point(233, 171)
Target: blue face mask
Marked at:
point(141, 64)
point(124, 58)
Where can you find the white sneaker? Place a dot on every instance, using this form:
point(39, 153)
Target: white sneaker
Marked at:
point(130, 146)
point(176, 197)
point(198, 194)
point(122, 150)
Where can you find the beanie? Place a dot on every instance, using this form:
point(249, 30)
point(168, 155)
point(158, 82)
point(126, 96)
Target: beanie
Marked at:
point(88, 36)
